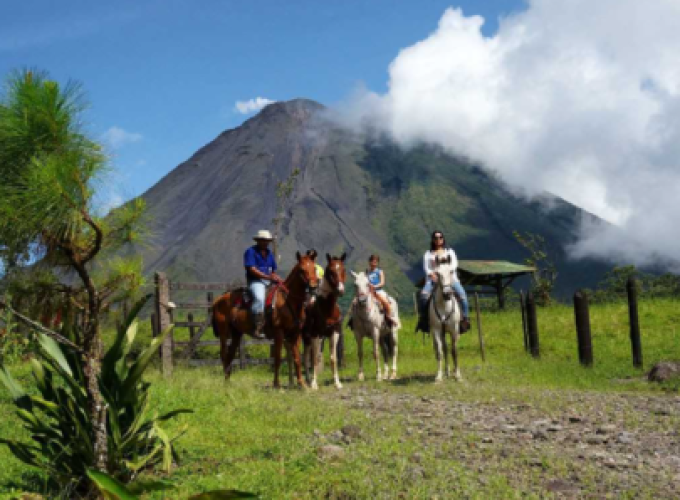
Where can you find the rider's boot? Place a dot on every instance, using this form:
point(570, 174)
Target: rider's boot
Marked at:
point(465, 322)
point(423, 314)
point(258, 332)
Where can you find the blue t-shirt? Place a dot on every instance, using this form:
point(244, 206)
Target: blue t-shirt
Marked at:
point(374, 278)
point(253, 258)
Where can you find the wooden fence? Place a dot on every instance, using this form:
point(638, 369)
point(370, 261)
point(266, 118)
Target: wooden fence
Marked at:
point(162, 317)
point(582, 323)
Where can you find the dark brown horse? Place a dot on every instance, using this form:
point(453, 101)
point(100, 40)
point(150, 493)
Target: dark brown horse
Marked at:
point(230, 320)
point(323, 318)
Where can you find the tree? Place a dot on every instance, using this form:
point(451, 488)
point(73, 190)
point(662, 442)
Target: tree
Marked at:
point(49, 171)
point(543, 279)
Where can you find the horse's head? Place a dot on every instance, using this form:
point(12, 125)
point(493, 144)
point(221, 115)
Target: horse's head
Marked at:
point(335, 273)
point(445, 272)
point(306, 272)
point(362, 289)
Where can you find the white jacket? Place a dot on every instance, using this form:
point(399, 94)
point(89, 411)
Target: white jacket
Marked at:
point(428, 262)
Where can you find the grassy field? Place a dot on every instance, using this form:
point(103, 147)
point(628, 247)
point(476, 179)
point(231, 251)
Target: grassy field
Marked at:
point(246, 436)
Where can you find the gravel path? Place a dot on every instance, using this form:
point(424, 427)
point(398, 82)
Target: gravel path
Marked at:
point(568, 444)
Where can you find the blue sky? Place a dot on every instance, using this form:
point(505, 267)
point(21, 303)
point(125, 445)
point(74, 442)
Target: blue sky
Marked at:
point(162, 77)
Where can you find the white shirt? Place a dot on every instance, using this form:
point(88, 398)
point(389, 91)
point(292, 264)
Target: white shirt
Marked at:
point(428, 261)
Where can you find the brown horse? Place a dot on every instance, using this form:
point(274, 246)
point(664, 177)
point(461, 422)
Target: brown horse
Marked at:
point(323, 318)
point(230, 320)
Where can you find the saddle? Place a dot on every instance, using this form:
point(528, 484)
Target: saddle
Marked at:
point(243, 298)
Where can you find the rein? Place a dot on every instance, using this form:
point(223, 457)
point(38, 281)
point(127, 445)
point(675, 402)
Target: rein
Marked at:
point(369, 310)
point(434, 303)
point(291, 295)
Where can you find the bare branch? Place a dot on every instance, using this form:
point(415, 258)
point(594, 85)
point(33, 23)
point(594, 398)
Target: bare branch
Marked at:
point(37, 326)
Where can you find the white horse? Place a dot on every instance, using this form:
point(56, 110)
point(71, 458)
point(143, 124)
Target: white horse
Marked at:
point(445, 316)
point(369, 321)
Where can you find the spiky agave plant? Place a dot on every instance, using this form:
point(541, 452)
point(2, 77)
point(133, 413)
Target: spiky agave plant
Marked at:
point(61, 427)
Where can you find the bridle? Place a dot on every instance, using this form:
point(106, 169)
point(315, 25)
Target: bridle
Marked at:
point(447, 296)
point(332, 275)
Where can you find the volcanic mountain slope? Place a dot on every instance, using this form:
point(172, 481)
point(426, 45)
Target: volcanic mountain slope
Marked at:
point(353, 194)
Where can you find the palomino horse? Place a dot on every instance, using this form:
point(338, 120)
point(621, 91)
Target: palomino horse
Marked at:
point(323, 318)
point(445, 316)
point(230, 320)
point(369, 321)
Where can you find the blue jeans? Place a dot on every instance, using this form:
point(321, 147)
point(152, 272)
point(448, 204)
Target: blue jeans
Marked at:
point(258, 290)
point(427, 291)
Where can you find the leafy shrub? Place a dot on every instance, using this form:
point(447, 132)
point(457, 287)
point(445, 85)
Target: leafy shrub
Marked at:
point(14, 346)
point(59, 418)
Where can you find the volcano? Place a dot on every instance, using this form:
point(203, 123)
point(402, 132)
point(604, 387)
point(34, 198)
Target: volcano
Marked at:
point(356, 193)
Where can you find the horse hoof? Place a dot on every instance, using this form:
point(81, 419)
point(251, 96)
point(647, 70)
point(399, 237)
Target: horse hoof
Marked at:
point(438, 380)
point(360, 378)
point(378, 379)
point(338, 386)
point(315, 387)
point(393, 376)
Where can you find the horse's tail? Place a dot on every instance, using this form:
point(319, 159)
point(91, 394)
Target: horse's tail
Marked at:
point(213, 317)
point(387, 342)
point(213, 321)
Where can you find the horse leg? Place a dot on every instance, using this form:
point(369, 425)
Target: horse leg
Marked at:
point(454, 352)
point(385, 350)
point(306, 355)
point(445, 351)
point(395, 349)
point(334, 359)
point(298, 365)
point(376, 354)
point(314, 355)
point(436, 339)
point(360, 352)
point(278, 347)
point(231, 352)
point(289, 361)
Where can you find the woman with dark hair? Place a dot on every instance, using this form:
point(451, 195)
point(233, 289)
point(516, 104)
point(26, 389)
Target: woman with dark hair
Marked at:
point(438, 249)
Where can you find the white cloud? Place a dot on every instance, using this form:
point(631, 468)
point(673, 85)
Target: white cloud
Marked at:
point(113, 200)
point(251, 105)
point(117, 137)
point(576, 97)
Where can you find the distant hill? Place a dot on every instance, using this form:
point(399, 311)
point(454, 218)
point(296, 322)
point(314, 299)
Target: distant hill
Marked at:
point(355, 194)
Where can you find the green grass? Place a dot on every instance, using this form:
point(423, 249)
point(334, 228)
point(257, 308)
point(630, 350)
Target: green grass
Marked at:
point(245, 435)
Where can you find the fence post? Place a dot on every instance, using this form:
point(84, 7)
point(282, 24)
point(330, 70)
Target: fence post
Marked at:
point(523, 308)
point(636, 345)
point(190, 319)
point(163, 315)
point(479, 328)
point(154, 325)
point(582, 318)
point(532, 321)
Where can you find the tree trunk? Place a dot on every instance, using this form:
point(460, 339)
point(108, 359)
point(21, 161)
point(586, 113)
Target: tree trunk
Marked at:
point(93, 368)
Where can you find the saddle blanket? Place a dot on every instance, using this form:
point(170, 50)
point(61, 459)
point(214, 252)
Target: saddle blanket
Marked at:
point(243, 298)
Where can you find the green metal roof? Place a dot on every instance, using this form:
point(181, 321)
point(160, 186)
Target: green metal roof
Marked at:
point(488, 267)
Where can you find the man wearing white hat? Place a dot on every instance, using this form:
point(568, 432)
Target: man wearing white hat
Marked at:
point(260, 272)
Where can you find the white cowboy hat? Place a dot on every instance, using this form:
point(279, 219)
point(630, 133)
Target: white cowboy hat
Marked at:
point(263, 234)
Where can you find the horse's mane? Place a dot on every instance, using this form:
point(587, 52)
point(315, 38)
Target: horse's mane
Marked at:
point(291, 275)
